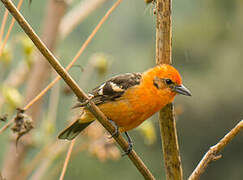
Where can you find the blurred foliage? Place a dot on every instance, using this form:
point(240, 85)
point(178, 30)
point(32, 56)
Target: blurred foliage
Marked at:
point(12, 96)
point(100, 63)
point(6, 56)
point(147, 130)
point(28, 48)
point(207, 50)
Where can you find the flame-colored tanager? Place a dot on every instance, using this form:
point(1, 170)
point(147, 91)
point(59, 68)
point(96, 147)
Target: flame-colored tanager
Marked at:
point(129, 99)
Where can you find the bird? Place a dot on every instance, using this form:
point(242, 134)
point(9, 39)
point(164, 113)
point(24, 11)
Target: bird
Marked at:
point(129, 99)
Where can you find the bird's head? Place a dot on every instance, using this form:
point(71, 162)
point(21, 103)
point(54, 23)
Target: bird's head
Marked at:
point(168, 80)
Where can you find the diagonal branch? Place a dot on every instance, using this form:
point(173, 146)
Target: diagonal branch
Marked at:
point(212, 153)
point(73, 85)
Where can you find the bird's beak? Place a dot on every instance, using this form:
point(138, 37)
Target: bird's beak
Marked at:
point(182, 90)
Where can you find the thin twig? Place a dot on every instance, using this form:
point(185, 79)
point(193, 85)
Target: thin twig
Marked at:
point(80, 12)
point(42, 93)
point(212, 153)
point(67, 160)
point(47, 160)
point(57, 169)
point(9, 29)
point(73, 85)
point(172, 159)
point(5, 16)
point(6, 126)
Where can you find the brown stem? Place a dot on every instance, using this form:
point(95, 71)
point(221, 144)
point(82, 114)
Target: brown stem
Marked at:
point(172, 160)
point(73, 85)
point(212, 153)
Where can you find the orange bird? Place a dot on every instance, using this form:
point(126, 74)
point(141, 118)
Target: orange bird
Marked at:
point(129, 99)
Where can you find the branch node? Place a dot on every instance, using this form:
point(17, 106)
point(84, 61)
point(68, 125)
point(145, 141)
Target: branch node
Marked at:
point(216, 157)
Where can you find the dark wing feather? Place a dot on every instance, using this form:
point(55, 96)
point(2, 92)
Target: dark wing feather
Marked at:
point(113, 88)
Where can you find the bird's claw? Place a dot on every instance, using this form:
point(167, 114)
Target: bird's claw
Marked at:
point(129, 149)
point(115, 134)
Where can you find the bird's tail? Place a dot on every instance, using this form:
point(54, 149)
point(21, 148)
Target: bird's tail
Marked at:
point(73, 130)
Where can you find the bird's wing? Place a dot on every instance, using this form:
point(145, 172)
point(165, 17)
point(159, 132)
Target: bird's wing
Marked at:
point(112, 88)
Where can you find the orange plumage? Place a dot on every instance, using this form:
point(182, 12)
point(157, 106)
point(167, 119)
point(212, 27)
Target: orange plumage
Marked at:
point(130, 99)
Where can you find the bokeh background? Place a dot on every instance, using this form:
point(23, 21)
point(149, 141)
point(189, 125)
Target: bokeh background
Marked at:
point(207, 50)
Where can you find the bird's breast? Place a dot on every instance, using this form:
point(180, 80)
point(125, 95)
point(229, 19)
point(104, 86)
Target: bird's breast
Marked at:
point(136, 105)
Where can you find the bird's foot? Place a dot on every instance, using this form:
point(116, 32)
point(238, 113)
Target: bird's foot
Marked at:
point(130, 145)
point(129, 149)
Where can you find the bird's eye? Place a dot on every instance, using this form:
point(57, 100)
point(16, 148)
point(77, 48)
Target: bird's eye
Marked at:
point(168, 82)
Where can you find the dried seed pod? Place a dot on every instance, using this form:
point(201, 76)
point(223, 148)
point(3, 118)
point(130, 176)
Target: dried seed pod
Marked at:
point(22, 124)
